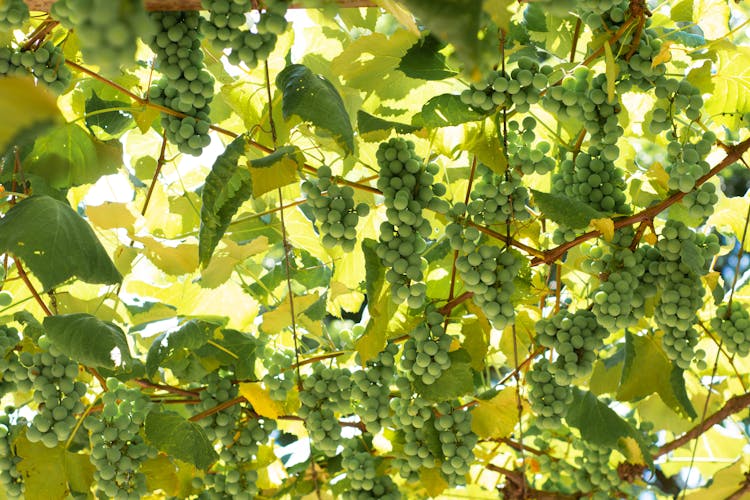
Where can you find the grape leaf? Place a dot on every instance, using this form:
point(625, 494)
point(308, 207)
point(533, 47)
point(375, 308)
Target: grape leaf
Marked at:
point(180, 438)
point(496, 417)
point(444, 111)
point(566, 211)
point(423, 60)
point(55, 242)
point(88, 340)
point(315, 100)
point(176, 343)
point(368, 125)
point(106, 115)
point(24, 105)
point(276, 170)
point(380, 304)
point(260, 399)
point(43, 470)
point(599, 424)
point(456, 381)
point(731, 84)
point(226, 188)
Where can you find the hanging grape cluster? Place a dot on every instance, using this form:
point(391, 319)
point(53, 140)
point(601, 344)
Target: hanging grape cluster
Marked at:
point(733, 326)
point(425, 356)
point(13, 14)
point(46, 64)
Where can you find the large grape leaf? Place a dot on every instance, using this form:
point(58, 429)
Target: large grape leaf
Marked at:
point(109, 115)
point(276, 170)
point(226, 188)
point(647, 370)
point(730, 97)
point(180, 438)
point(88, 340)
point(424, 60)
point(176, 344)
point(566, 211)
point(377, 129)
point(24, 105)
point(454, 21)
point(712, 17)
point(314, 99)
point(55, 243)
point(600, 425)
point(446, 110)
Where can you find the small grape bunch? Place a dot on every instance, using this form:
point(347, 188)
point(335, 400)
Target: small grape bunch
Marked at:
point(733, 326)
point(549, 400)
point(519, 89)
point(334, 210)
point(13, 13)
point(687, 162)
point(425, 354)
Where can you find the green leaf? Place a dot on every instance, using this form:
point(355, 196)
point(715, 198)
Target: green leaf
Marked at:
point(55, 243)
point(189, 337)
point(24, 105)
point(566, 211)
point(227, 187)
point(315, 100)
point(611, 71)
point(43, 470)
point(535, 18)
point(731, 92)
point(600, 425)
point(423, 60)
point(88, 340)
point(180, 438)
point(67, 156)
point(368, 124)
point(454, 21)
point(380, 305)
point(682, 11)
point(276, 170)
point(456, 381)
point(476, 339)
point(444, 111)
point(107, 115)
point(238, 349)
point(647, 370)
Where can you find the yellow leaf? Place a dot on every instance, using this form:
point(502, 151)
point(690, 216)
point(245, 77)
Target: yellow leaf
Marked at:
point(24, 104)
point(606, 226)
point(111, 215)
point(433, 481)
point(664, 55)
point(402, 15)
point(260, 399)
point(280, 318)
point(611, 70)
point(712, 16)
point(657, 174)
point(650, 238)
point(145, 117)
point(175, 259)
point(497, 417)
point(228, 255)
point(632, 451)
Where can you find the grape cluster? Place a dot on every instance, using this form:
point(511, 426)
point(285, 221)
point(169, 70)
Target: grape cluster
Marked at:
point(592, 178)
point(334, 209)
point(487, 271)
point(108, 30)
point(408, 187)
point(548, 399)
point(457, 443)
point(325, 392)
point(519, 89)
point(701, 202)
point(566, 100)
point(11, 479)
point(253, 45)
point(56, 392)
point(425, 355)
point(639, 69)
point(365, 482)
point(186, 85)
point(590, 9)
point(577, 337)
point(674, 96)
point(218, 426)
point(733, 327)
point(117, 447)
point(46, 63)
point(9, 364)
point(371, 389)
point(593, 472)
point(601, 120)
point(524, 156)
point(496, 199)
point(280, 379)
point(413, 418)
point(13, 13)
point(686, 162)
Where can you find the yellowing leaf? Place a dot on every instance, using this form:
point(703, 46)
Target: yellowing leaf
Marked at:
point(657, 174)
point(712, 16)
point(402, 15)
point(664, 55)
point(606, 226)
point(175, 259)
point(650, 238)
point(726, 216)
point(497, 417)
point(145, 117)
point(280, 318)
point(611, 70)
point(260, 399)
point(275, 170)
point(111, 215)
point(433, 481)
point(632, 451)
point(222, 263)
point(24, 104)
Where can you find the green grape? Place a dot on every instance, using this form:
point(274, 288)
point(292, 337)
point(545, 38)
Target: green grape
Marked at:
point(325, 392)
point(6, 298)
point(548, 399)
point(518, 89)
point(593, 473)
point(408, 188)
point(700, 203)
point(686, 162)
point(280, 378)
point(365, 482)
point(425, 354)
point(13, 14)
point(56, 392)
point(186, 85)
point(108, 30)
point(525, 157)
point(733, 327)
point(9, 364)
point(117, 447)
point(412, 418)
point(334, 209)
point(674, 97)
point(497, 200)
point(46, 64)
point(11, 479)
point(576, 337)
point(457, 442)
point(371, 389)
point(592, 179)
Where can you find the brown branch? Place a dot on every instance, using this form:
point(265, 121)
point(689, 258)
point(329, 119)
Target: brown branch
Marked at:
point(732, 406)
point(30, 286)
point(517, 487)
point(173, 5)
point(166, 388)
point(734, 154)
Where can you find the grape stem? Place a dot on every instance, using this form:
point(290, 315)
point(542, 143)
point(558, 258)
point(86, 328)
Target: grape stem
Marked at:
point(735, 153)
